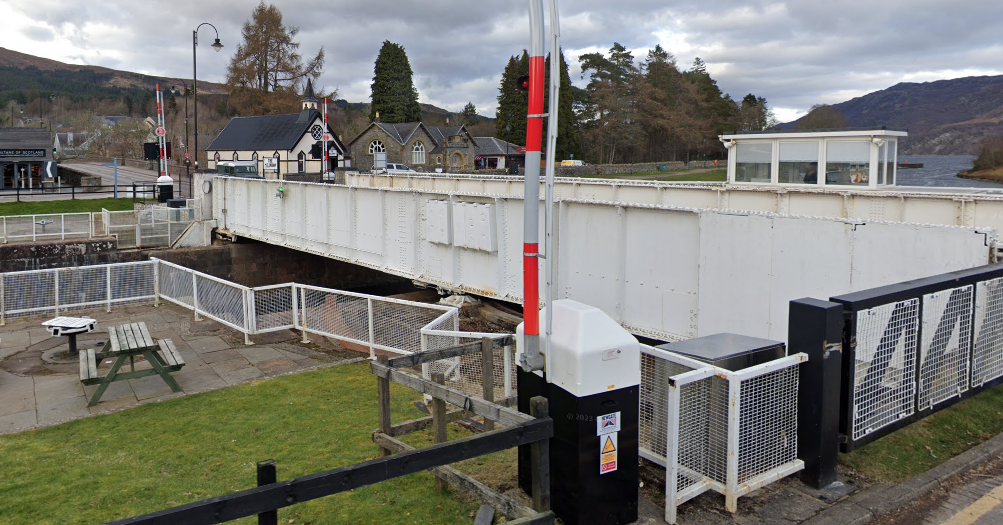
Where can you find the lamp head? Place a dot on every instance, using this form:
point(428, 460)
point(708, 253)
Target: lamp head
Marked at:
point(217, 45)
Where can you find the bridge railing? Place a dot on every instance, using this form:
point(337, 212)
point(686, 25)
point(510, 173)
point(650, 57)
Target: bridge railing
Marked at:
point(714, 429)
point(916, 347)
point(47, 227)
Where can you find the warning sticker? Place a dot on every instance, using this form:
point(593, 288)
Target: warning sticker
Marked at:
point(608, 424)
point(607, 453)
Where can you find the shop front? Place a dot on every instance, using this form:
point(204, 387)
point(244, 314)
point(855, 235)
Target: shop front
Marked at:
point(25, 158)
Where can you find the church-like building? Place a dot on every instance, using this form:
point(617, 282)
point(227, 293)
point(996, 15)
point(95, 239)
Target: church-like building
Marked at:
point(281, 145)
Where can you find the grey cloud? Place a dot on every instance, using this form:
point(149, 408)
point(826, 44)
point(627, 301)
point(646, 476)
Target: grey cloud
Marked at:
point(793, 53)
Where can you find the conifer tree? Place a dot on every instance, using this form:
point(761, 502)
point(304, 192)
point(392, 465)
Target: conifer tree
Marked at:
point(393, 95)
point(469, 115)
point(510, 117)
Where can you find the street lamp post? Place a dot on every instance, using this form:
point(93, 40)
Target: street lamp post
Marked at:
point(191, 194)
point(195, 92)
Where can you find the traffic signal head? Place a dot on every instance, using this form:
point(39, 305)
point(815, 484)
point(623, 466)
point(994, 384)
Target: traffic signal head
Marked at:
point(522, 84)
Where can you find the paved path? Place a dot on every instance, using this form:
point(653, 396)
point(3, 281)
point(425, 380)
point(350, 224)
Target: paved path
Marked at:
point(37, 395)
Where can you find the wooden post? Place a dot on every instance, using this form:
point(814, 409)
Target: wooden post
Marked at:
point(439, 423)
point(540, 459)
point(266, 476)
point(383, 396)
point(488, 376)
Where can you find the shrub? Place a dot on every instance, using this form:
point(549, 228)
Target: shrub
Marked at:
point(990, 155)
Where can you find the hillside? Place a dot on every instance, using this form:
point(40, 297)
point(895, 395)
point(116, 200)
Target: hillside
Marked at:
point(23, 71)
point(947, 117)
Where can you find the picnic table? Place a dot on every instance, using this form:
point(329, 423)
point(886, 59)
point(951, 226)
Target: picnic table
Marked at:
point(126, 342)
point(70, 327)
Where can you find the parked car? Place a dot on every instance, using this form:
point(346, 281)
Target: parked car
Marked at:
point(394, 167)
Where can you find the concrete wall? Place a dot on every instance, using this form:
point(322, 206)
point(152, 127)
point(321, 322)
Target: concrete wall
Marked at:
point(260, 264)
point(62, 254)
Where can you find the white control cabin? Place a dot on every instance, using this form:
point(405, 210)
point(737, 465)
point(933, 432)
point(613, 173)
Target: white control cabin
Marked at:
point(859, 158)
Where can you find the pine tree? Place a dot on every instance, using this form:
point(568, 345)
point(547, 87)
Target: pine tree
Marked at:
point(469, 115)
point(393, 95)
point(510, 117)
point(568, 141)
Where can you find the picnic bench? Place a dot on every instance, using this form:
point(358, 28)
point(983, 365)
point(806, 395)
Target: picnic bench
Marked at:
point(127, 342)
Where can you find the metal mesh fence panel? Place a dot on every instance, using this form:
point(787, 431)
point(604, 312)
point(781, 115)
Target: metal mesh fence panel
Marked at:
point(337, 315)
point(221, 301)
point(885, 367)
point(767, 423)
point(29, 293)
point(35, 292)
point(176, 285)
point(82, 287)
point(397, 325)
point(703, 433)
point(132, 282)
point(946, 345)
point(655, 374)
point(465, 373)
point(273, 308)
point(987, 354)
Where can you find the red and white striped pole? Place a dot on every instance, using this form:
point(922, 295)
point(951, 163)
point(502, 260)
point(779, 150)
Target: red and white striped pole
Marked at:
point(326, 158)
point(160, 138)
point(531, 358)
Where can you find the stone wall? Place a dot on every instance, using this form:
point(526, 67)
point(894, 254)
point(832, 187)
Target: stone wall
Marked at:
point(61, 254)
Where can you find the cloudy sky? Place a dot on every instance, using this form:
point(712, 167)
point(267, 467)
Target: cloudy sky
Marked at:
point(795, 54)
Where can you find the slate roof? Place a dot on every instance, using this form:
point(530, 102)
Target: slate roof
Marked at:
point(401, 131)
point(490, 146)
point(268, 132)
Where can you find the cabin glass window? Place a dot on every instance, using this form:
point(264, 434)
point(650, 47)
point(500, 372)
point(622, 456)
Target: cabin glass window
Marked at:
point(753, 161)
point(847, 162)
point(891, 163)
point(882, 162)
point(798, 163)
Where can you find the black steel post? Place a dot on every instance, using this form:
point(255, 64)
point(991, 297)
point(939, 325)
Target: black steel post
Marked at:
point(195, 93)
point(266, 476)
point(816, 328)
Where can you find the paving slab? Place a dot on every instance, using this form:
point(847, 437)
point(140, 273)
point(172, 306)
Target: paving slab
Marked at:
point(113, 405)
point(282, 365)
point(257, 354)
point(17, 394)
point(61, 411)
point(230, 365)
point(206, 344)
point(221, 355)
point(116, 390)
point(149, 386)
point(241, 376)
point(18, 421)
point(292, 355)
point(193, 381)
point(55, 388)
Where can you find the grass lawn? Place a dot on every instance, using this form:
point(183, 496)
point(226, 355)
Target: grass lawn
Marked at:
point(199, 446)
point(65, 206)
point(930, 441)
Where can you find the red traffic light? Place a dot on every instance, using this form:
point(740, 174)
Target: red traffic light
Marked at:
point(523, 83)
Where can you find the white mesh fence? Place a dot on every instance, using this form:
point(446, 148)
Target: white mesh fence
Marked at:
point(987, 355)
point(713, 429)
point(370, 322)
point(946, 345)
point(42, 292)
point(31, 228)
point(274, 308)
point(466, 373)
point(366, 321)
point(885, 367)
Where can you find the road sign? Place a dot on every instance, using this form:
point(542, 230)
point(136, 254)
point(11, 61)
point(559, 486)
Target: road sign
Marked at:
point(161, 131)
point(188, 155)
point(327, 137)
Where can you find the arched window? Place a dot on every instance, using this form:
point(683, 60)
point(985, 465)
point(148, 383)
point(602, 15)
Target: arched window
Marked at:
point(216, 157)
point(301, 162)
point(457, 159)
point(418, 153)
point(254, 156)
point(376, 146)
point(438, 159)
point(235, 158)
